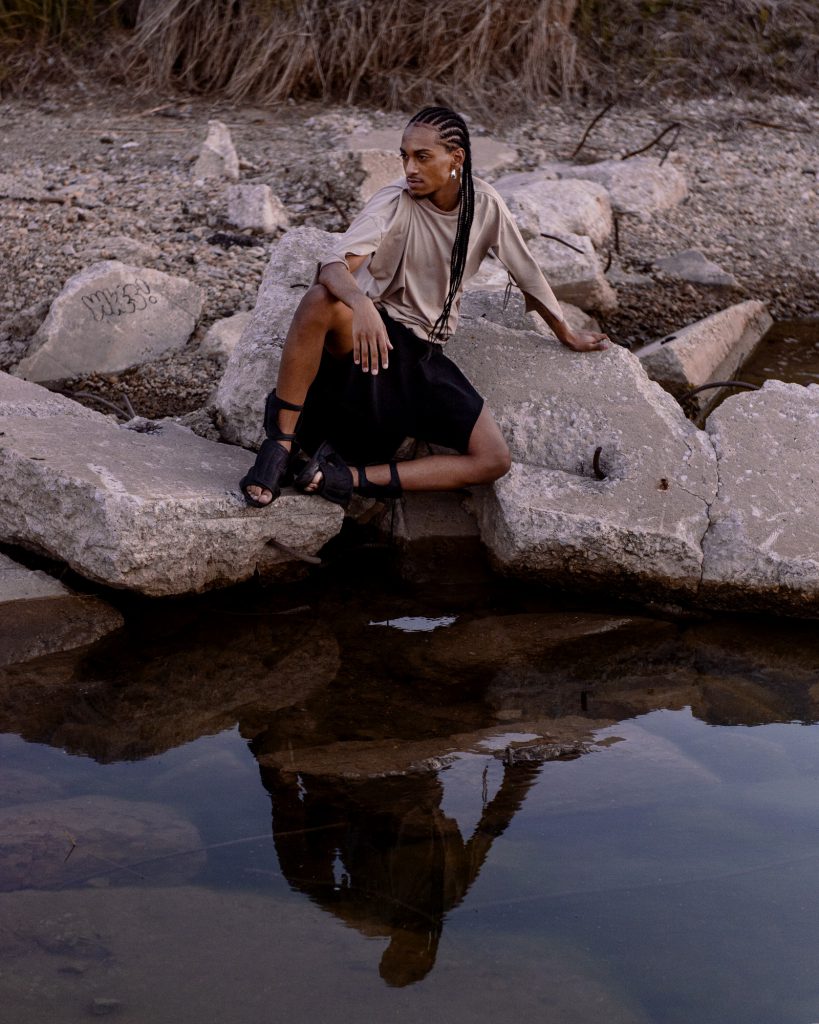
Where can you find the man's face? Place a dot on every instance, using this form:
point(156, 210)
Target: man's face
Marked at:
point(427, 163)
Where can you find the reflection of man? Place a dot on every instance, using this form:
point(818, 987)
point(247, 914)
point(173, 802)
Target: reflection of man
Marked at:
point(382, 855)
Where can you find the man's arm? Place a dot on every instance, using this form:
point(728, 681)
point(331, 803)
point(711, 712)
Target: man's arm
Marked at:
point(370, 339)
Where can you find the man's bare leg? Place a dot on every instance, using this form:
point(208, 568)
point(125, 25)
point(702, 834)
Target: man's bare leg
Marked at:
point(486, 459)
point(320, 321)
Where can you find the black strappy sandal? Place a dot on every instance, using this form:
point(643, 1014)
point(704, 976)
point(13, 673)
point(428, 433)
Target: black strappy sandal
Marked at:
point(273, 460)
point(381, 492)
point(336, 482)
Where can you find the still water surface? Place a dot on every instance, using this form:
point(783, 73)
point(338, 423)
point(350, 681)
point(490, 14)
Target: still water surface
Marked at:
point(426, 805)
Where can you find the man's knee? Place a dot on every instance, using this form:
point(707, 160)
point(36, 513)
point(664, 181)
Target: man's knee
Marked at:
point(495, 463)
point(317, 303)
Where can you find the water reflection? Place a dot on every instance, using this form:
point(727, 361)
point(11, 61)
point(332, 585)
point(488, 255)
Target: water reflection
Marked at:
point(354, 727)
point(383, 856)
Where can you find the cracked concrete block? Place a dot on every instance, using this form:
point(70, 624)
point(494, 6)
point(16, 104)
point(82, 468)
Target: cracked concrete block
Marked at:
point(762, 548)
point(553, 207)
point(639, 529)
point(692, 265)
point(144, 506)
point(255, 207)
point(711, 349)
point(491, 304)
point(573, 269)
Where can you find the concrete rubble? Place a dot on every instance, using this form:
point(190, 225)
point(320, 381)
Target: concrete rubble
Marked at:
point(144, 506)
point(636, 530)
point(691, 265)
point(39, 615)
point(366, 170)
point(254, 364)
point(711, 349)
point(639, 186)
point(256, 208)
point(762, 548)
point(109, 317)
point(217, 157)
point(574, 271)
point(510, 311)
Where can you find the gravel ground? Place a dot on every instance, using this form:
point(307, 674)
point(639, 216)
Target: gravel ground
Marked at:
point(125, 167)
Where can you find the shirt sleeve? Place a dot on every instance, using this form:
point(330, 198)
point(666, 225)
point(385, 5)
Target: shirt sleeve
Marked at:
point(514, 254)
point(364, 234)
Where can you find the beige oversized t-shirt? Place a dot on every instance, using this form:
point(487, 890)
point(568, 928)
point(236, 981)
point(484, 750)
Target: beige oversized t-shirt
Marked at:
point(409, 242)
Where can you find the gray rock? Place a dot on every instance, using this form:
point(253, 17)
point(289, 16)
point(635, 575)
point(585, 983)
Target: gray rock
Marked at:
point(38, 615)
point(17, 331)
point(155, 510)
point(636, 531)
point(217, 157)
point(638, 186)
point(691, 265)
point(223, 335)
point(29, 188)
point(574, 271)
point(558, 207)
point(762, 549)
point(64, 842)
point(254, 365)
point(711, 349)
point(123, 248)
point(255, 207)
point(109, 317)
point(437, 537)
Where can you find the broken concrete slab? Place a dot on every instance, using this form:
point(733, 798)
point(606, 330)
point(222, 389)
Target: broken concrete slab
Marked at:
point(438, 538)
point(692, 265)
point(253, 367)
point(256, 208)
point(573, 269)
point(148, 507)
point(217, 157)
point(557, 207)
point(762, 548)
point(39, 615)
point(711, 349)
point(640, 186)
point(121, 247)
point(109, 317)
point(635, 525)
point(510, 311)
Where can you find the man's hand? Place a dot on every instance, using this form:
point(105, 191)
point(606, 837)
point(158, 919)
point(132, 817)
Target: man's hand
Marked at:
point(582, 341)
point(371, 343)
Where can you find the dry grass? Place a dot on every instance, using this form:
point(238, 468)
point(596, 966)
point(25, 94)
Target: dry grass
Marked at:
point(397, 53)
point(638, 47)
point(487, 55)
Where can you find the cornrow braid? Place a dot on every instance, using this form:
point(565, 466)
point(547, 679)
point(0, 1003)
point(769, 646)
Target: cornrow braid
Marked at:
point(454, 134)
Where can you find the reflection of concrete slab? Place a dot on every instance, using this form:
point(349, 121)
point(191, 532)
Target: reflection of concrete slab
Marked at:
point(39, 615)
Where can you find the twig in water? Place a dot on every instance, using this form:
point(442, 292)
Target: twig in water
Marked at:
point(663, 133)
point(722, 384)
point(555, 238)
point(587, 132)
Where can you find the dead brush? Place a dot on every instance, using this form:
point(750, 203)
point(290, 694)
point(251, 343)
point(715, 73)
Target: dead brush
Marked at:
point(480, 53)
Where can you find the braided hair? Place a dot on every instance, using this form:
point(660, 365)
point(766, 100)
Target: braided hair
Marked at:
point(453, 134)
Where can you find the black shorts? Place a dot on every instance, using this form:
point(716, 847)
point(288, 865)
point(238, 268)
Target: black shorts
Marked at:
point(366, 418)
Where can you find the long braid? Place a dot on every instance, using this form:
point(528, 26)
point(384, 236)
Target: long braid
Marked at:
point(453, 133)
